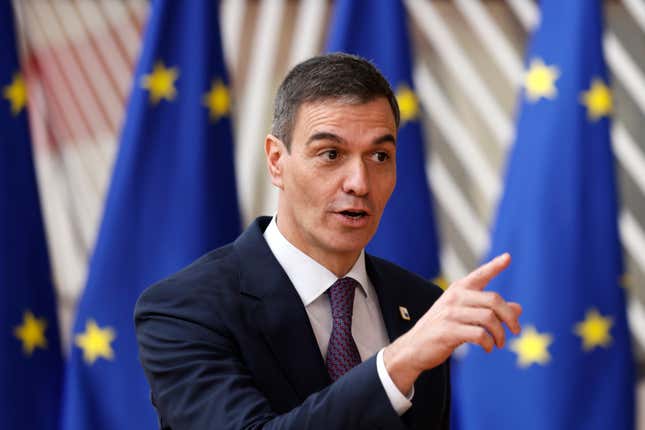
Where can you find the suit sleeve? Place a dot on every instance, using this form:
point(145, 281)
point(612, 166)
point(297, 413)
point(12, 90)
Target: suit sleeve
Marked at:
point(199, 380)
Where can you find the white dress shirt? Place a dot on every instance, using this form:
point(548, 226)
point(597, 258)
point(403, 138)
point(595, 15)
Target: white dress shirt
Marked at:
point(311, 280)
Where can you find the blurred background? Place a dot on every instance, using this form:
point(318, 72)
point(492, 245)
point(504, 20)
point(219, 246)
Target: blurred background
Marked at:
point(79, 58)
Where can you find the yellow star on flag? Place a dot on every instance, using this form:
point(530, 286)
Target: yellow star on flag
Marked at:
point(31, 332)
point(16, 93)
point(597, 99)
point(594, 330)
point(532, 347)
point(161, 83)
point(95, 342)
point(441, 282)
point(218, 100)
point(539, 81)
point(408, 103)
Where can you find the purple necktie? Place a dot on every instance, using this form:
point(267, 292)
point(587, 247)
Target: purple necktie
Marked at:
point(342, 353)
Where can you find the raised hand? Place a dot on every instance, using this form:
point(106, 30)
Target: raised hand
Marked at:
point(464, 313)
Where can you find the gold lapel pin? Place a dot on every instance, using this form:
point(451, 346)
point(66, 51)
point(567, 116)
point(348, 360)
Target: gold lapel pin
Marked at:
point(404, 313)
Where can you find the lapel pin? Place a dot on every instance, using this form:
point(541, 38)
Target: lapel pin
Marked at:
point(404, 313)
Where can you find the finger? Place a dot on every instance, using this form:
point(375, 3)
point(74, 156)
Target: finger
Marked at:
point(480, 277)
point(477, 335)
point(507, 313)
point(517, 308)
point(485, 318)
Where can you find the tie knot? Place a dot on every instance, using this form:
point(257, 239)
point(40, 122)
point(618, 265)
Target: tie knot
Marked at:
point(341, 297)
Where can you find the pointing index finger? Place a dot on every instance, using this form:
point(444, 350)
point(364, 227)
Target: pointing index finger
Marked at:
point(480, 277)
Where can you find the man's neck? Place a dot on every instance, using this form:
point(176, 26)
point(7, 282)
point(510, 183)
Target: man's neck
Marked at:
point(337, 263)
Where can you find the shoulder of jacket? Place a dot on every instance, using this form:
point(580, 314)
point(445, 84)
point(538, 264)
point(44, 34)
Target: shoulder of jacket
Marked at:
point(407, 279)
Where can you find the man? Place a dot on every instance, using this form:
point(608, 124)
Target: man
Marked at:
point(293, 326)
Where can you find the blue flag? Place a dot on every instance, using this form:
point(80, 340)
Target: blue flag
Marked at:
point(172, 198)
point(31, 364)
point(378, 32)
point(571, 367)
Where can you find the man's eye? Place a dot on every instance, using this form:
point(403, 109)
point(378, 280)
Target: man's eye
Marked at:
point(332, 154)
point(381, 156)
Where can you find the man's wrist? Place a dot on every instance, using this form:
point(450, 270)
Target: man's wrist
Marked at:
point(400, 401)
point(398, 364)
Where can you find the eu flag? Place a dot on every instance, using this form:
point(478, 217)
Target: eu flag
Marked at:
point(30, 355)
point(378, 32)
point(571, 367)
point(171, 199)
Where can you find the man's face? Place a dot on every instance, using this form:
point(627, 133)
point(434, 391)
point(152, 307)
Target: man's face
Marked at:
point(337, 177)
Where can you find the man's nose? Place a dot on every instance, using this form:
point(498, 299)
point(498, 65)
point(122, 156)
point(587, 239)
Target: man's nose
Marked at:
point(356, 179)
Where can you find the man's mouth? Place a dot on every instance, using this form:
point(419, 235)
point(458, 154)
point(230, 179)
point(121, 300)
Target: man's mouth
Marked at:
point(354, 214)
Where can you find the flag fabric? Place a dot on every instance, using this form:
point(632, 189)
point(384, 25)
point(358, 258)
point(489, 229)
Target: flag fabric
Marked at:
point(31, 363)
point(407, 234)
point(171, 199)
point(571, 367)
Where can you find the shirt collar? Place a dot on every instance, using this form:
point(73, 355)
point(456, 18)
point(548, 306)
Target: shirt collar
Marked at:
point(310, 278)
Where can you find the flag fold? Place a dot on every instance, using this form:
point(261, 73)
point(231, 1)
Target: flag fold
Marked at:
point(171, 199)
point(571, 367)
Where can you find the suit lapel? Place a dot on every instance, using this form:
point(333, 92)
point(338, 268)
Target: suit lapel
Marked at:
point(390, 299)
point(281, 315)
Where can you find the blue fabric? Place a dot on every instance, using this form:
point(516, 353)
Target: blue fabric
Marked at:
point(172, 198)
point(557, 218)
point(30, 379)
point(378, 32)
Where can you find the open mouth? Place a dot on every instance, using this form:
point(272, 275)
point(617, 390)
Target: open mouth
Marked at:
point(354, 214)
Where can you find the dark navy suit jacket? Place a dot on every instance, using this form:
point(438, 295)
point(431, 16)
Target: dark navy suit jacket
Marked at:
point(226, 344)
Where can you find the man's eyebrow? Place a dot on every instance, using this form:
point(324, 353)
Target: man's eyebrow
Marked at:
point(324, 135)
point(387, 138)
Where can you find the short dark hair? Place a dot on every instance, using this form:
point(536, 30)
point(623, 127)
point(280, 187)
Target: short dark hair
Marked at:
point(346, 77)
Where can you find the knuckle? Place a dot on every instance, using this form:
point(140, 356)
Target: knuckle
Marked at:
point(450, 297)
point(450, 313)
point(495, 299)
point(489, 317)
point(481, 336)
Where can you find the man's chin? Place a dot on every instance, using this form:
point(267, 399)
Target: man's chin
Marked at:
point(350, 243)
point(343, 238)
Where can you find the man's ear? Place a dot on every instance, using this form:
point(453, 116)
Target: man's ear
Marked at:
point(276, 152)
